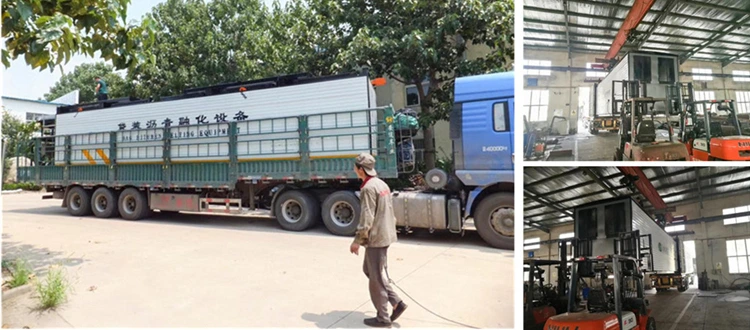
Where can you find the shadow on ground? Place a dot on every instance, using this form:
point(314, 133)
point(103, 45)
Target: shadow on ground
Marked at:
point(323, 321)
point(267, 224)
point(39, 259)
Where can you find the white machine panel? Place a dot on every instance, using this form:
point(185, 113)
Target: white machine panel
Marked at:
point(140, 126)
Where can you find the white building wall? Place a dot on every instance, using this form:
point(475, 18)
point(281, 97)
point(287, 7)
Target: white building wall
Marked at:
point(20, 108)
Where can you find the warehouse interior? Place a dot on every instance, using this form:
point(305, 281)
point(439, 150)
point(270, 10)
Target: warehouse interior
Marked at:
point(569, 45)
point(707, 208)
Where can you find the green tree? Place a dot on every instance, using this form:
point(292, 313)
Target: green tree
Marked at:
point(82, 78)
point(203, 43)
point(17, 139)
point(417, 41)
point(48, 33)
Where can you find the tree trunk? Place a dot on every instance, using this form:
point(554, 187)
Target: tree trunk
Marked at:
point(429, 147)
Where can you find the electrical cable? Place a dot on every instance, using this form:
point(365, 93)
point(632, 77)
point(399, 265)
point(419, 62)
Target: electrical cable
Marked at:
point(425, 308)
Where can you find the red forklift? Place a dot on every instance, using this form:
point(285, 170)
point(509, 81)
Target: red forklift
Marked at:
point(612, 288)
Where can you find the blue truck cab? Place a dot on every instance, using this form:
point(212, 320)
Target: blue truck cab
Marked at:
point(481, 128)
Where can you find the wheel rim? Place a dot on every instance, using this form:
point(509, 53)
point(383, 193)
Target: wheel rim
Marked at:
point(291, 211)
point(76, 202)
point(501, 220)
point(129, 204)
point(100, 203)
point(342, 214)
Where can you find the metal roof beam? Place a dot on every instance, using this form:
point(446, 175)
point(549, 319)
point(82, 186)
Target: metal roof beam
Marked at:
point(735, 58)
point(606, 37)
point(616, 19)
point(599, 180)
point(551, 177)
point(567, 29)
point(726, 30)
point(547, 203)
point(716, 6)
point(659, 19)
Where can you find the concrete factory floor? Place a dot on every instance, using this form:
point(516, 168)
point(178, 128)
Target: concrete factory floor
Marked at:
point(211, 271)
point(696, 310)
point(584, 147)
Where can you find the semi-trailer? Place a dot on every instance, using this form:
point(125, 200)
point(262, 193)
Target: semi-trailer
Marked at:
point(285, 144)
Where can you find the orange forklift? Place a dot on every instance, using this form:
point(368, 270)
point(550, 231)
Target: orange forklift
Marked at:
point(710, 135)
point(612, 288)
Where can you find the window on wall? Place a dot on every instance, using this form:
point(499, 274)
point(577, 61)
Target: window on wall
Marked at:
point(736, 210)
point(567, 235)
point(412, 95)
point(532, 246)
point(699, 75)
point(537, 104)
point(705, 96)
point(642, 68)
point(746, 75)
point(743, 101)
point(537, 72)
point(667, 70)
point(32, 116)
point(594, 73)
point(738, 256)
point(672, 229)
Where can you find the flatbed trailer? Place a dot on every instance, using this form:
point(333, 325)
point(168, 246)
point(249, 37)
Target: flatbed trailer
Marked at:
point(300, 167)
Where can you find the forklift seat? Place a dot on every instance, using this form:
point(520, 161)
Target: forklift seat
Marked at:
point(597, 300)
point(646, 132)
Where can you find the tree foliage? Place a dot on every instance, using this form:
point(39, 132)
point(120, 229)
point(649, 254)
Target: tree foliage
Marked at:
point(205, 43)
point(16, 138)
point(413, 41)
point(82, 79)
point(49, 33)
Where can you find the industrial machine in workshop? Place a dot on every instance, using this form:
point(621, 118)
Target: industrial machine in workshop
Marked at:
point(638, 133)
point(286, 144)
point(656, 250)
point(712, 129)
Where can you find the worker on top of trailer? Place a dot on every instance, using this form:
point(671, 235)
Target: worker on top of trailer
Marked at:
point(101, 89)
point(376, 231)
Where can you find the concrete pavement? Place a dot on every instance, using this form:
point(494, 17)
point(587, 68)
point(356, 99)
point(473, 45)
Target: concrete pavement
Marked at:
point(201, 271)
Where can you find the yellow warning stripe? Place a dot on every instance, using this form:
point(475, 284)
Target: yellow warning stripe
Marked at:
point(334, 157)
point(88, 156)
point(104, 157)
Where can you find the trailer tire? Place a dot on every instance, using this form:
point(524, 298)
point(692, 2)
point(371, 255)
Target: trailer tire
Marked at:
point(297, 210)
point(104, 203)
point(494, 220)
point(132, 204)
point(79, 202)
point(682, 288)
point(340, 212)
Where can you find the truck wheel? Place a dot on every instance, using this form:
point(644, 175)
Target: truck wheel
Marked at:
point(651, 324)
point(682, 288)
point(79, 202)
point(340, 213)
point(297, 210)
point(132, 204)
point(494, 220)
point(104, 203)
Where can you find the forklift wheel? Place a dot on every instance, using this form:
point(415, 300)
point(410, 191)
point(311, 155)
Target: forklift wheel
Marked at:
point(651, 324)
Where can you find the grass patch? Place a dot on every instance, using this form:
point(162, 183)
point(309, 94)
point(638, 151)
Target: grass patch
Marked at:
point(28, 186)
point(20, 272)
point(53, 291)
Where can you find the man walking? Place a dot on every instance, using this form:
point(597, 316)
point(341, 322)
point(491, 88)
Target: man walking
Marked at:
point(376, 231)
point(101, 89)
